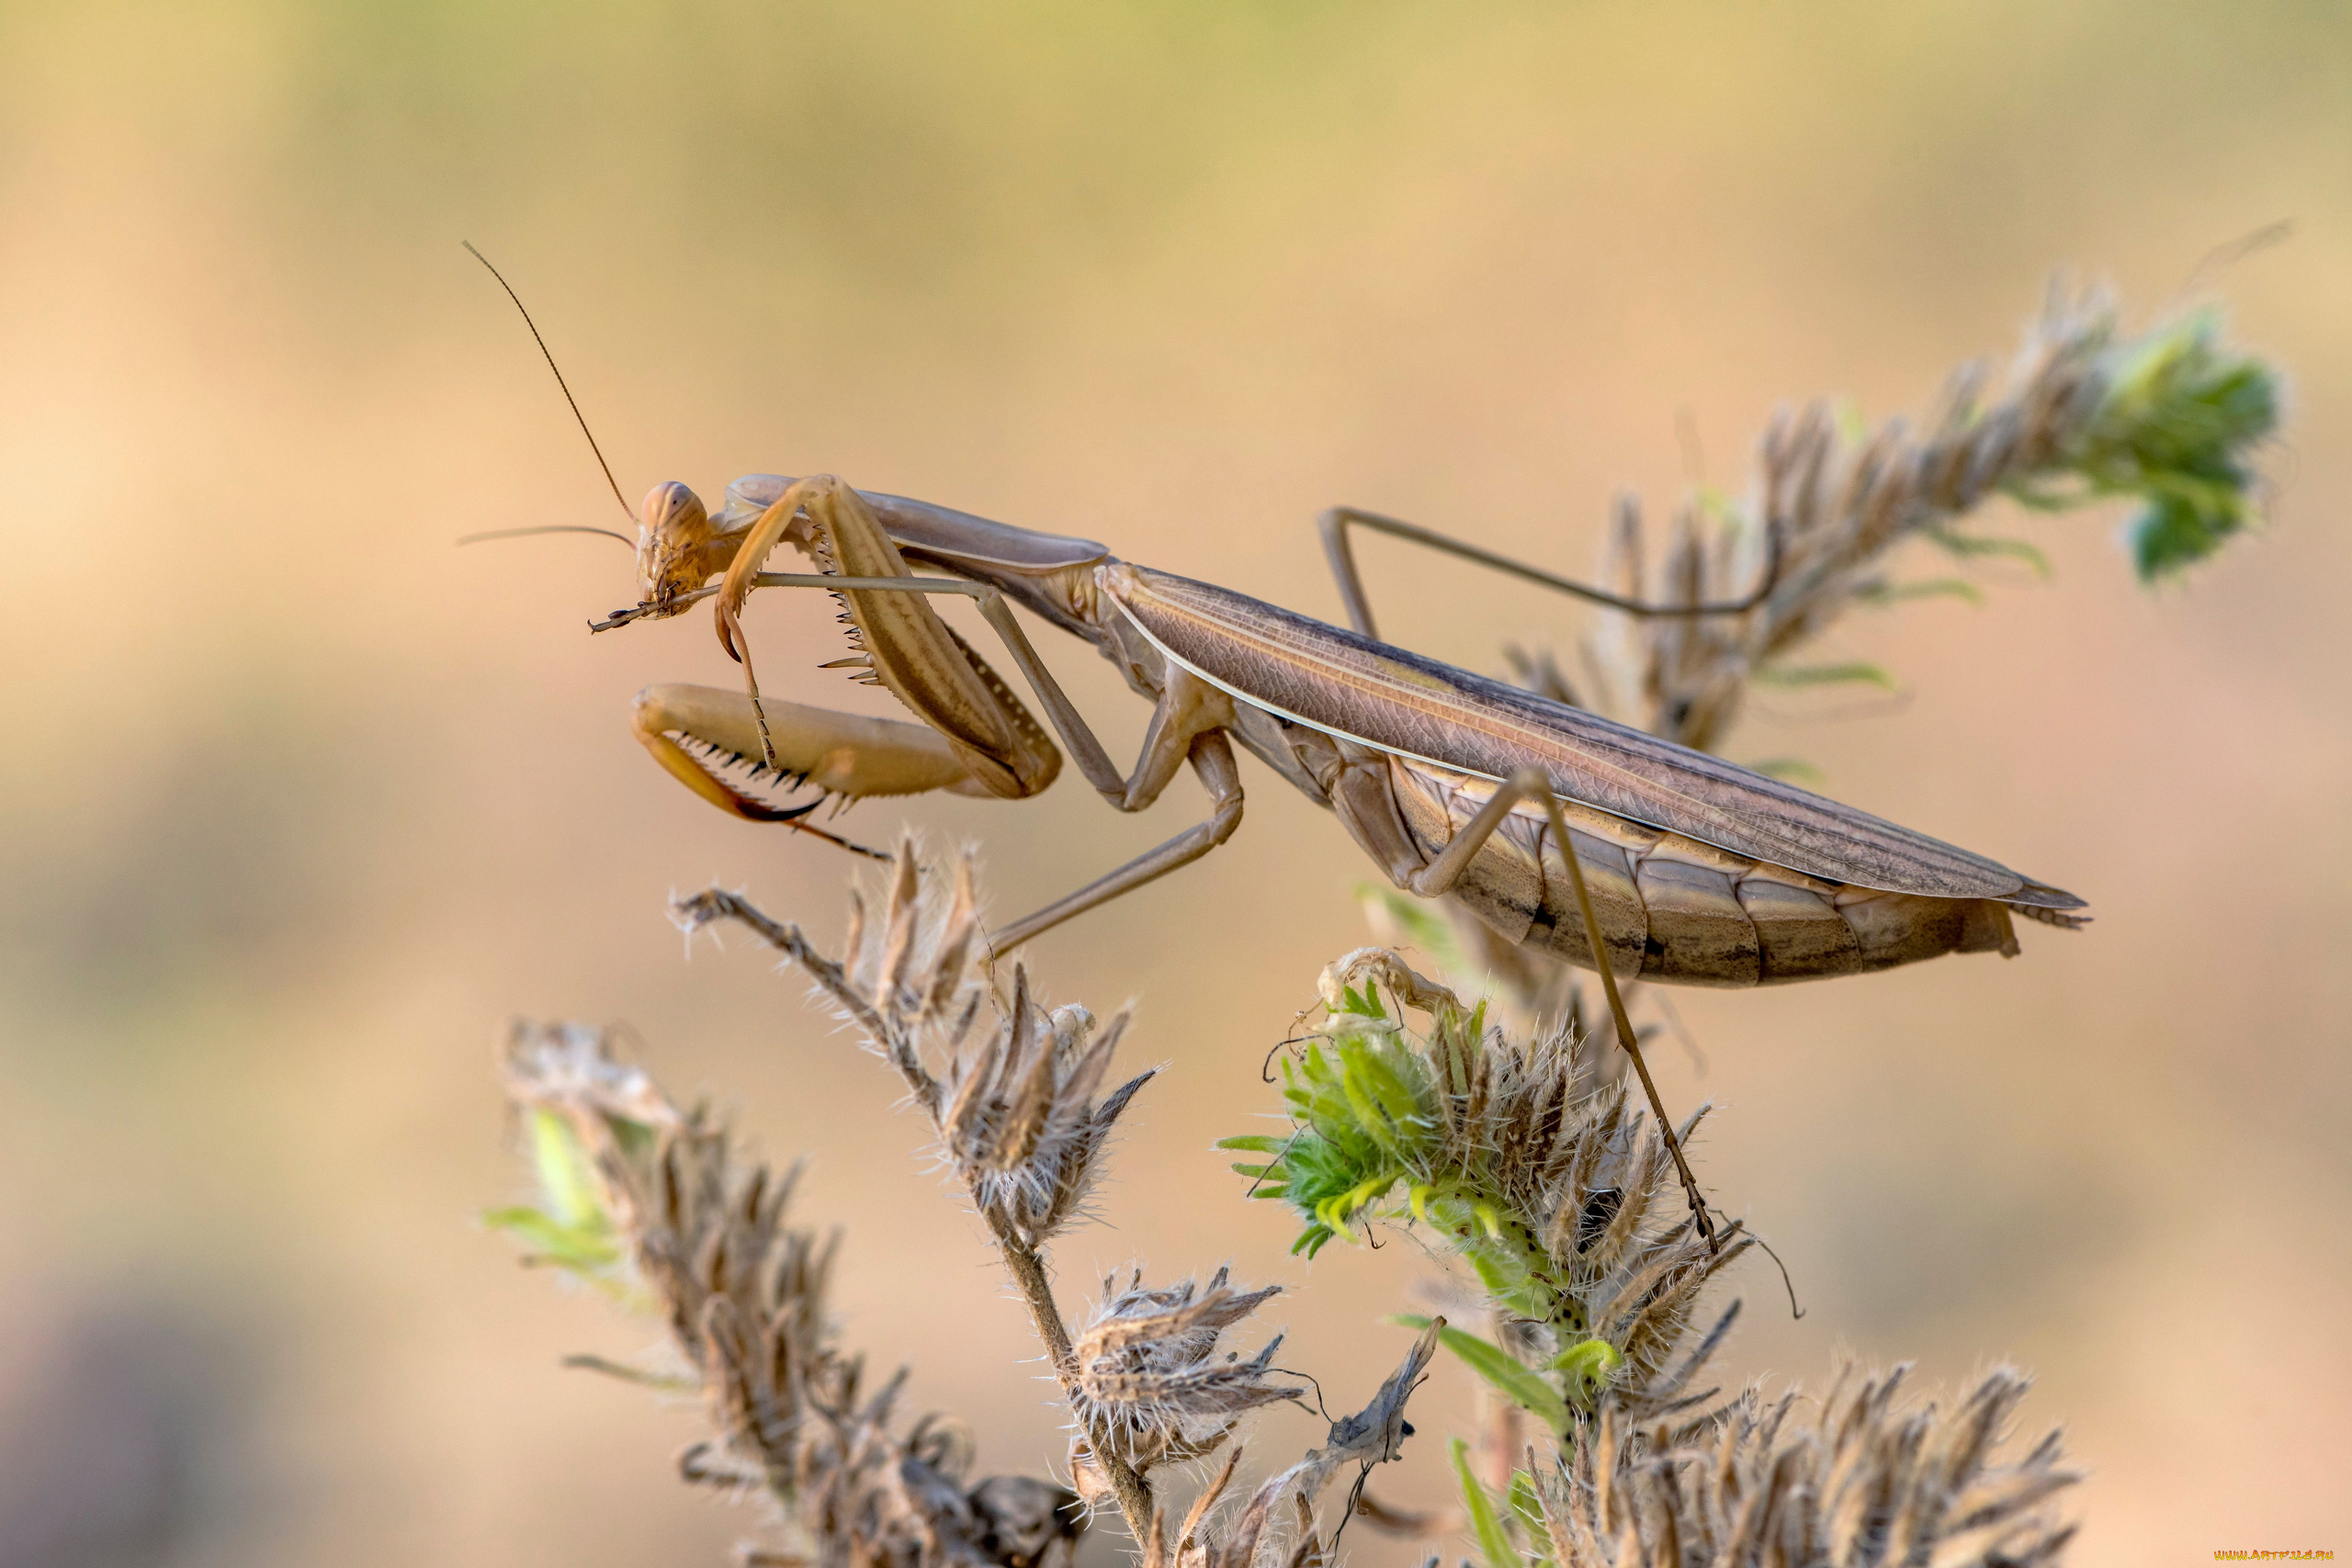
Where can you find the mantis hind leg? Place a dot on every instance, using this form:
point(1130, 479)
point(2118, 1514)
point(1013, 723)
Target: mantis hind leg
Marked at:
point(1341, 553)
point(1534, 785)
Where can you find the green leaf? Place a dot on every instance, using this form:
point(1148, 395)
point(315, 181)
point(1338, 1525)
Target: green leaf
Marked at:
point(1420, 923)
point(567, 1174)
point(1884, 593)
point(1377, 1075)
point(1973, 545)
point(1494, 1541)
point(581, 1249)
point(1254, 1143)
point(2036, 497)
point(1527, 1506)
point(1509, 1277)
point(2174, 532)
point(1523, 1386)
point(1822, 675)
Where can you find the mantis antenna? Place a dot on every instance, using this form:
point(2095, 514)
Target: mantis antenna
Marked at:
point(547, 528)
point(547, 354)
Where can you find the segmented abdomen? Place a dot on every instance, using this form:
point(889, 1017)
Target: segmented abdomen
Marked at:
point(1676, 910)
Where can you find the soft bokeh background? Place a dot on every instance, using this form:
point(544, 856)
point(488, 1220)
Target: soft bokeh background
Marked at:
point(301, 803)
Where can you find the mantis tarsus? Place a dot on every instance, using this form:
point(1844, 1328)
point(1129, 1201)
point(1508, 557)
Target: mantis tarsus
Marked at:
point(1590, 842)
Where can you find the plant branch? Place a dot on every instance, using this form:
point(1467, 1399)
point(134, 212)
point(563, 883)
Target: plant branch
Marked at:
point(915, 962)
point(1027, 1267)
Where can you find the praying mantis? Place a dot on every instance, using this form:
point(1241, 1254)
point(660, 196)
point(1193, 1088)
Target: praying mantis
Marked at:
point(1592, 842)
point(1585, 839)
point(1582, 838)
point(1700, 872)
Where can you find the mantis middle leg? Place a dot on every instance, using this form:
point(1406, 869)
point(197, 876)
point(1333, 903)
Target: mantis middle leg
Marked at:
point(1211, 755)
point(1188, 725)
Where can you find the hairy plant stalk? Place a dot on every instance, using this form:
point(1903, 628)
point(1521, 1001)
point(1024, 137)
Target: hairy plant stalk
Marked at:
point(915, 982)
point(1022, 1261)
point(651, 1204)
point(1028, 1271)
point(2167, 419)
point(1505, 1153)
point(1556, 1193)
point(1149, 1381)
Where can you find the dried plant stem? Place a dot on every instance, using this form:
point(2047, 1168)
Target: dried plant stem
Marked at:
point(1028, 1271)
point(2170, 418)
point(874, 1007)
point(788, 938)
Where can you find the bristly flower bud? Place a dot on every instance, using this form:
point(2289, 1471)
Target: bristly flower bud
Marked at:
point(1014, 1107)
point(1019, 1122)
point(1150, 1377)
point(653, 1200)
point(1856, 1477)
point(1559, 1196)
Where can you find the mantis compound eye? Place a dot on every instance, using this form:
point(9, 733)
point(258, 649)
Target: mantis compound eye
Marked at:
point(671, 500)
point(673, 542)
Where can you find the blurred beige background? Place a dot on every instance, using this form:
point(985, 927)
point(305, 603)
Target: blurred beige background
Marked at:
point(301, 803)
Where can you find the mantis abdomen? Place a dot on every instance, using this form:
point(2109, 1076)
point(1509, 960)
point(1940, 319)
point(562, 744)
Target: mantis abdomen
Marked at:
point(1674, 910)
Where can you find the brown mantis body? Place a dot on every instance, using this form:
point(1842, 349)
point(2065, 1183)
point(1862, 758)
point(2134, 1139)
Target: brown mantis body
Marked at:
point(1700, 872)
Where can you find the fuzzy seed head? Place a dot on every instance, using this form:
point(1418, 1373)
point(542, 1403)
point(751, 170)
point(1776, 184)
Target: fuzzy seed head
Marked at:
point(1153, 1375)
point(1561, 1196)
point(1855, 1477)
point(744, 1293)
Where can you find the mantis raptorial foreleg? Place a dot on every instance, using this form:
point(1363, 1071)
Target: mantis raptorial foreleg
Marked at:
point(843, 755)
point(1335, 523)
point(1187, 724)
point(931, 669)
point(911, 651)
point(1534, 785)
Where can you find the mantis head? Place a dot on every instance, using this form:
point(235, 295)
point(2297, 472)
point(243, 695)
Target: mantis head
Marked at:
point(673, 547)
